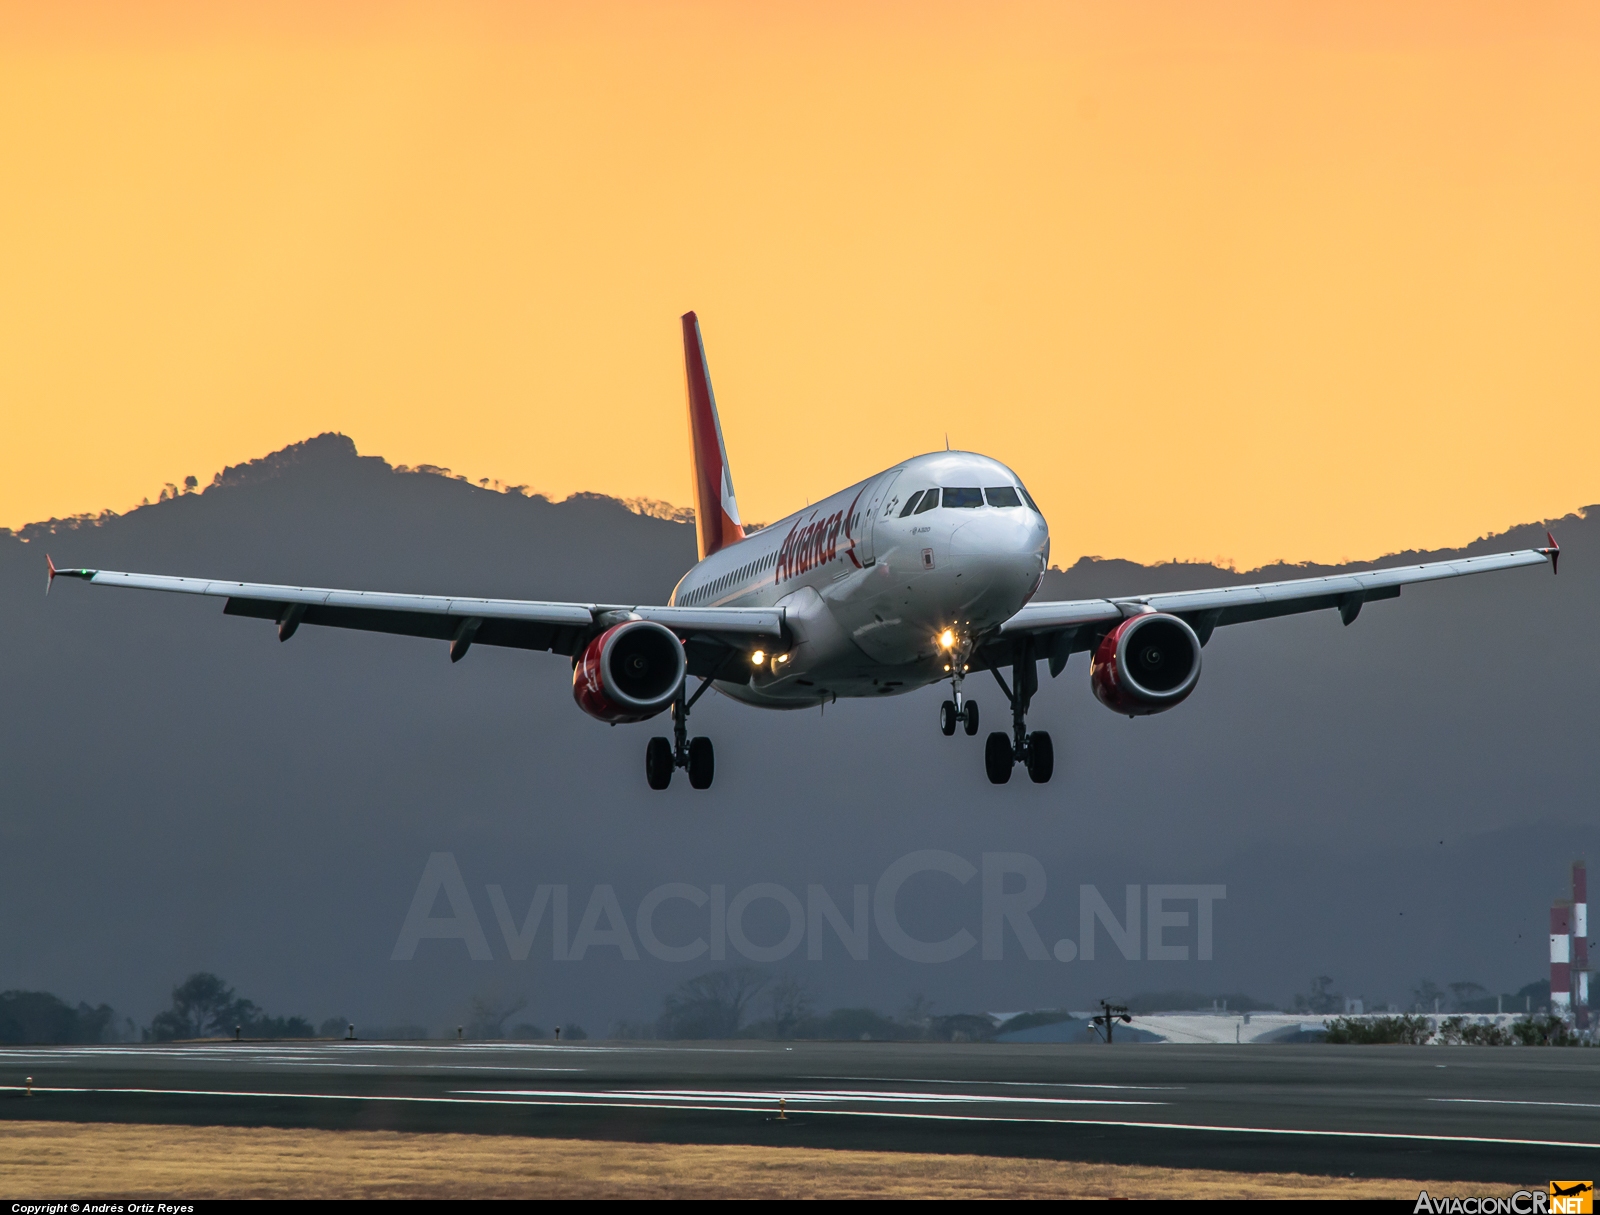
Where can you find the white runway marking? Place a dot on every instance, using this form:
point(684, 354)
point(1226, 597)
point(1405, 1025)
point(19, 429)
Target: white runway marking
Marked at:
point(1143, 1088)
point(768, 1109)
point(244, 1050)
point(1568, 1105)
point(671, 1096)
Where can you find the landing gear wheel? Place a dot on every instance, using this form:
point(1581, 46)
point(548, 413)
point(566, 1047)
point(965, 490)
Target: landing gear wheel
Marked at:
point(1041, 757)
point(997, 758)
point(969, 718)
point(658, 763)
point(947, 718)
point(702, 763)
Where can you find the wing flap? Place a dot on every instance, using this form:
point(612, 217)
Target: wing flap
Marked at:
point(1297, 594)
point(1061, 614)
point(513, 634)
point(572, 614)
point(516, 623)
point(1264, 600)
point(742, 621)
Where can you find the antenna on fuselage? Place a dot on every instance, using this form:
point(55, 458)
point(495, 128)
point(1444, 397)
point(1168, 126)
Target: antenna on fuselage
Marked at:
point(947, 440)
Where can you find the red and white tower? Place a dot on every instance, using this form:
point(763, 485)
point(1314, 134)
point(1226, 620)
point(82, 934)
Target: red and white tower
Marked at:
point(1580, 943)
point(1561, 959)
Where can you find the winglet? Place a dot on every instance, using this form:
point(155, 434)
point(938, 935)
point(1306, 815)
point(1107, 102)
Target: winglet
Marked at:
point(1553, 552)
point(86, 575)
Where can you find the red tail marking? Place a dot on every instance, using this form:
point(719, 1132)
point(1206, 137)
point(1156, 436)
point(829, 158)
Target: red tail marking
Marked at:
point(716, 514)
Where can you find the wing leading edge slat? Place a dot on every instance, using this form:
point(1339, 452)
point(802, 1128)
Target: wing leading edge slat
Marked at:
point(1263, 600)
point(516, 623)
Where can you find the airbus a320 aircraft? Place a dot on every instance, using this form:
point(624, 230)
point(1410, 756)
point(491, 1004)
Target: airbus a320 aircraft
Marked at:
point(919, 575)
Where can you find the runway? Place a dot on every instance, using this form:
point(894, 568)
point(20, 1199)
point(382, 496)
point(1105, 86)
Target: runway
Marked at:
point(1502, 1115)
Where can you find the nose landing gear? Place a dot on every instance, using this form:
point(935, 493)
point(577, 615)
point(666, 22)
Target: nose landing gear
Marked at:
point(958, 710)
point(662, 756)
point(1034, 750)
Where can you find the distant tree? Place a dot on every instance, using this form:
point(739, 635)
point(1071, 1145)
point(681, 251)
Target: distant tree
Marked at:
point(203, 1006)
point(1458, 1031)
point(855, 1025)
point(261, 1026)
point(711, 1005)
point(333, 1027)
point(1321, 999)
point(574, 1033)
point(1465, 993)
point(917, 1015)
point(38, 1016)
point(790, 1006)
point(1426, 996)
point(632, 1030)
point(486, 1015)
point(526, 1031)
point(964, 1027)
point(1531, 997)
point(1542, 1029)
point(1378, 1031)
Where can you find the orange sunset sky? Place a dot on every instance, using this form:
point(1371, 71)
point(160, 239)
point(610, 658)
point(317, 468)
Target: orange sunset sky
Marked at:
point(1239, 280)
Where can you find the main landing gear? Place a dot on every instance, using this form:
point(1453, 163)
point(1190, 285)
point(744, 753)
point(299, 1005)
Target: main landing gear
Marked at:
point(1034, 750)
point(663, 755)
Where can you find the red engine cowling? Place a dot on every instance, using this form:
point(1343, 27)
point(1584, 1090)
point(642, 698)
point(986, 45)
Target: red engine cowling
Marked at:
point(630, 672)
point(1147, 664)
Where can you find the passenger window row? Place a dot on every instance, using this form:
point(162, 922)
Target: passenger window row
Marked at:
point(966, 499)
point(717, 585)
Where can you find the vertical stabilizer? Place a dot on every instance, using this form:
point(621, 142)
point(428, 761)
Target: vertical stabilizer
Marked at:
point(716, 513)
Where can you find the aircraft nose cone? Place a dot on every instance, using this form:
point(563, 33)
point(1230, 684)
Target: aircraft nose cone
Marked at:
point(1000, 554)
point(1000, 535)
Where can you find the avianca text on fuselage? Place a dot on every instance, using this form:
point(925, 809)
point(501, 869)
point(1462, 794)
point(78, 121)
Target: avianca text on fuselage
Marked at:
point(817, 543)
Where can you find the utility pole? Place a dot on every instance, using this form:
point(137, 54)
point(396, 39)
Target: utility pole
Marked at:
point(1109, 1016)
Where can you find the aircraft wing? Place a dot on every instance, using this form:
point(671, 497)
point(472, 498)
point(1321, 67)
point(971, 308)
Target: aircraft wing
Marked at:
point(1065, 626)
point(709, 633)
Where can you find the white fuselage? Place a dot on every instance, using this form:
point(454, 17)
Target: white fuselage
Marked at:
point(868, 589)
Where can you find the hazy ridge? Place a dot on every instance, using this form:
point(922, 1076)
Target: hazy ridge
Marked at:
point(1388, 802)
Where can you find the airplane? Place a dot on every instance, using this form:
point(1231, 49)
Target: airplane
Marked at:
point(921, 574)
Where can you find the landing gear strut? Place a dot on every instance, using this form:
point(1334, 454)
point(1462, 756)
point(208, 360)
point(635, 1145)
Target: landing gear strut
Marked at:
point(663, 755)
point(1035, 749)
point(958, 709)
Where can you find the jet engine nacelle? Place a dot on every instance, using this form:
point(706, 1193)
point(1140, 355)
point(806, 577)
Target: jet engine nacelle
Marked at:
point(630, 672)
point(1147, 664)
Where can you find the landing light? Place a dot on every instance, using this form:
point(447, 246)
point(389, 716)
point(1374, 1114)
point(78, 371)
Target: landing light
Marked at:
point(781, 658)
point(759, 657)
point(947, 639)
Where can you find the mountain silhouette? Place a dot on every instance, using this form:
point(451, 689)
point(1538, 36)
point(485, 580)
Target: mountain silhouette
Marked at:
point(1390, 801)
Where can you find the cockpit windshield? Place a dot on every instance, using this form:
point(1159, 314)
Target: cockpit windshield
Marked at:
point(963, 499)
